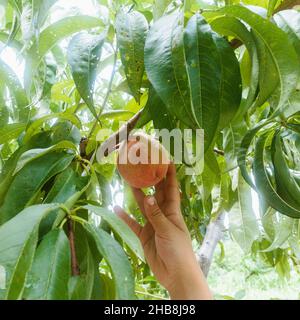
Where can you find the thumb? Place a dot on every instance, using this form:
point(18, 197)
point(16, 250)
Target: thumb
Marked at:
point(155, 216)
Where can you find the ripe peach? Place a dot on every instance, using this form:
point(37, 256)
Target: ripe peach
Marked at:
point(142, 161)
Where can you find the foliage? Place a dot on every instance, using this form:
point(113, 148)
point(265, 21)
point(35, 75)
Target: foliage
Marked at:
point(229, 68)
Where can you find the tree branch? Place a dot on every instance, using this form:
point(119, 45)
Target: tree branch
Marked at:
point(214, 234)
point(287, 4)
point(74, 262)
point(110, 144)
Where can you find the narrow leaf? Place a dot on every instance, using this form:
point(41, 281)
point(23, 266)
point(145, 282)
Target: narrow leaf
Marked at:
point(131, 30)
point(49, 275)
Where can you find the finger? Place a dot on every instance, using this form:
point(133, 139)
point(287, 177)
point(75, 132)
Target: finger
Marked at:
point(158, 220)
point(172, 192)
point(133, 225)
point(159, 192)
point(139, 197)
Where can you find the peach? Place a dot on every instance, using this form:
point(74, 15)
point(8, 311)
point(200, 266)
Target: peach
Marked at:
point(142, 162)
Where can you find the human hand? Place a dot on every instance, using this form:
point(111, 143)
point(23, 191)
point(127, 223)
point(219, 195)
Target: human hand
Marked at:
point(166, 241)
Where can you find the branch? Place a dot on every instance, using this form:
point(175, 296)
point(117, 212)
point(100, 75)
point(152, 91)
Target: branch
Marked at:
point(287, 4)
point(219, 152)
point(214, 234)
point(110, 144)
point(74, 262)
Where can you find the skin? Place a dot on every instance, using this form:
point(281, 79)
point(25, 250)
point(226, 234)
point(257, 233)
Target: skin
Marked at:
point(166, 241)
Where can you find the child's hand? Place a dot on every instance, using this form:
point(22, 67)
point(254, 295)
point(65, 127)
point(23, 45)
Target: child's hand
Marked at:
point(166, 241)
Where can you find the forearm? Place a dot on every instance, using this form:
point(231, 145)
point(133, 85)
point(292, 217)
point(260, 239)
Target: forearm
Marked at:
point(190, 286)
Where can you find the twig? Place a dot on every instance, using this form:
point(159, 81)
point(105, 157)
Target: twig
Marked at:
point(74, 262)
point(219, 152)
point(110, 144)
point(287, 4)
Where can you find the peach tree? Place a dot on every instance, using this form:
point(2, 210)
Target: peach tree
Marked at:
point(228, 67)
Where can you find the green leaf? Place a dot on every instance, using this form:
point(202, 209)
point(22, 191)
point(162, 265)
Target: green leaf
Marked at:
point(50, 36)
point(4, 114)
point(36, 124)
point(115, 257)
point(230, 26)
point(10, 79)
point(165, 66)
point(289, 22)
point(283, 229)
point(159, 8)
point(84, 54)
point(243, 150)
point(263, 183)
point(33, 154)
point(11, 131)
point(29, 181)
point(242, 221)
point(277, 45)
point(271, 6)
point(204, 74)
point(18, 238)
point(287, 187)
point(131, 31)
point(49, 275)
point(81, 286)
point(231, 86)
point(42, 9)
point(121, 228)
point(268, 75)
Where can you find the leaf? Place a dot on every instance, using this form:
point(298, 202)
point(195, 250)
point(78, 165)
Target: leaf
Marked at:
point(84, 54)
point(131, 31)
point(243, 150)
point(50, 36)
point(231, 86)
point(242, 221)
point(286, 185)
point(165, 66)
point(42, 8)
point(4, 115)
point(10, 79)
point(11, 131)
point(49, 275)
point(278, 46)
point(268, 75)
point(204, 74)
point(33, 154)
point(67, 188)
point(120, 228)
point(230, 26)
point(18, 238)
point(271, 6)
point(36, 124)
point(81, 286)
point(283, 229)
point(289, 22)
point(115, 257)
point(263, 183)
point(29, 181)
point(159, 8)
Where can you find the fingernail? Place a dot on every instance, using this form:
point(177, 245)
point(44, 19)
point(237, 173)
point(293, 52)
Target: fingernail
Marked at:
point(151, 201)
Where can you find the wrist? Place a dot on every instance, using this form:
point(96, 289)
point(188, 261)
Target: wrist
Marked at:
point(190, 285)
